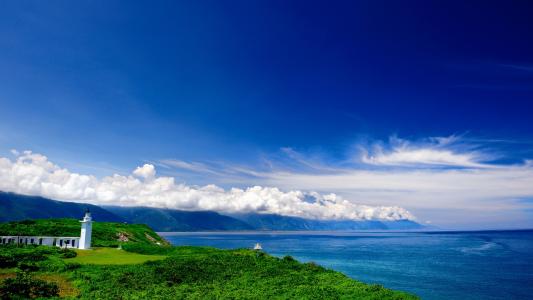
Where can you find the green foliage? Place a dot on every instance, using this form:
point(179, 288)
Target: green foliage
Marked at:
point(186, 273)
point(24, 286)
point(201, 273)
point(28, 266)
point(67, 253)
point(28, 257)
point(105, 234)
point(289, 259)
point(209, 273)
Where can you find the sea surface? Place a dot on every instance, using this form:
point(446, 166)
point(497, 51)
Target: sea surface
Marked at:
point(432, 265)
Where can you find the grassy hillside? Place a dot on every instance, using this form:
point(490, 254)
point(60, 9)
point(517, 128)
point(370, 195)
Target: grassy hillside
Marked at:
point(195, 273)
point(105, 234)
point(208, 273)
point(147, 268)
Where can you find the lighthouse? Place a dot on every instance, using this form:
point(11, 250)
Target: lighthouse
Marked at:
point(86, 231)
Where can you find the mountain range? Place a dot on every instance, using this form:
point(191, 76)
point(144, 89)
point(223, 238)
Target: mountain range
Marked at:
point(15, 207)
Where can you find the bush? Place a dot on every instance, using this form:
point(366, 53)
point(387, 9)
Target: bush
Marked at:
point(32, 258)
point(26, 222)
point(312, 266)
point(67, 253)
point(289, 259)
point(12, 255)
point(28, 266)
point(24, 286)
point(7, 261)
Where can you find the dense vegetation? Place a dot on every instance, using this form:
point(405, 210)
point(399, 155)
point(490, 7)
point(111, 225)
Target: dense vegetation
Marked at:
point(207, 273)
point(201, 273)
point(143, 269)
point(33, 258)
point(105, 234)
point(19, 264)
point(25, 286)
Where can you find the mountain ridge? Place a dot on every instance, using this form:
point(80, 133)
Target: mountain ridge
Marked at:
point(17, 207)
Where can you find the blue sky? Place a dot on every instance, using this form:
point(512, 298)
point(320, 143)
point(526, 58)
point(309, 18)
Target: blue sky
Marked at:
point(255, 89)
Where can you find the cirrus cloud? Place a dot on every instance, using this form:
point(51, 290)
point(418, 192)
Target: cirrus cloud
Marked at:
point(437, 151)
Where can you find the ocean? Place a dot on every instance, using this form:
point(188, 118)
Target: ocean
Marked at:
point(432, 265)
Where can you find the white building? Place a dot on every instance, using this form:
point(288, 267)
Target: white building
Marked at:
point(81, 242)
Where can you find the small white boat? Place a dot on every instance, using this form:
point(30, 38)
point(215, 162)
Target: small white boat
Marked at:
point(258, 247)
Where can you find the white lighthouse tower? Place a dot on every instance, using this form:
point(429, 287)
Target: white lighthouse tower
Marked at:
point(86, 231)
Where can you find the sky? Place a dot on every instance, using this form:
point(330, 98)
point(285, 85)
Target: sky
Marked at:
point(356, 110)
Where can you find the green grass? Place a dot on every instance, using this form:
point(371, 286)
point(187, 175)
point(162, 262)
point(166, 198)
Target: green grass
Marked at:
point(111, 256)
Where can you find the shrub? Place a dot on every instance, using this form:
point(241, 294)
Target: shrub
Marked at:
point(27, 222)
point(24, 286)
point(312, 266)
point(288, 259)
point(67, 253)
point(27, 255)
point(28, 266)
point(7, 261)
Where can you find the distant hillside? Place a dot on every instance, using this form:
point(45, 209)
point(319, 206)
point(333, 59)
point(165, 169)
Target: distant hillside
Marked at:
point(176, 220)
point(277, 222)
point(104, 233)
point(14, 207)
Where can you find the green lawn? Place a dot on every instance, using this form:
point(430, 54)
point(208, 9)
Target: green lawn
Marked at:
point(111, 256)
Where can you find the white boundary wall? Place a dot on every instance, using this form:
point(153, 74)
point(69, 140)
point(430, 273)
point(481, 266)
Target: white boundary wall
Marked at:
point(61, 241)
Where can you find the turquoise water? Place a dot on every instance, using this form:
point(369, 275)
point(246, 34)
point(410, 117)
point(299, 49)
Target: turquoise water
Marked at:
point(433, 265)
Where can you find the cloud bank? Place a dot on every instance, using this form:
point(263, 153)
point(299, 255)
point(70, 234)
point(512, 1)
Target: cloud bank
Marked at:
point(454, 181)
point(33, 174)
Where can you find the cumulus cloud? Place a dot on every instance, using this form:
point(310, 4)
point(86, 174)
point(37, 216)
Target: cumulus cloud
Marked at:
point(147, 171)
point(32, 173)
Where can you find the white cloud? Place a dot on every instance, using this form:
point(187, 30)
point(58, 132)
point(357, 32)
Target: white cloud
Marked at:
point(34, 174)
point(189, 166)
point(427, 156)
point(445, 180)
point(448, 180)
point(437, 151)
point(147, 171)
point(455, 198)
